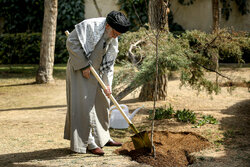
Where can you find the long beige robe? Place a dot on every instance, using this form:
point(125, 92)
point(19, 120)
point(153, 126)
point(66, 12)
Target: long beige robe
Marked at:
point(87, 105)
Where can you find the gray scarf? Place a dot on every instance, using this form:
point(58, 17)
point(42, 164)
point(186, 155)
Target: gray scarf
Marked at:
point(89, 33)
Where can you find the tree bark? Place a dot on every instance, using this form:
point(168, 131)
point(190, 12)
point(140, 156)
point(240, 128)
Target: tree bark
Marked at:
point(147, 91)
point(156, 90)
point(126, 91)
point(97, 8)
point(216, 21)
point(158, 20)
point(47, 48)
point(157, 14)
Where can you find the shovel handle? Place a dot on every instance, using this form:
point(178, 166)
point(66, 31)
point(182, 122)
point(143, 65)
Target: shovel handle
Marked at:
point(67, 33)
point(111, 96)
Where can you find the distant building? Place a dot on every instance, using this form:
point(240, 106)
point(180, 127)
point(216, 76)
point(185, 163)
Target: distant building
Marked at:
point(199, 16)
point(196, 16)
point(105, 7)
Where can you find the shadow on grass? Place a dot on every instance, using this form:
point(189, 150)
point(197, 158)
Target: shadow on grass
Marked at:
point(21, 84)
point(33, 108)
point(49, 154)
point(237, 126)
point(236, 134)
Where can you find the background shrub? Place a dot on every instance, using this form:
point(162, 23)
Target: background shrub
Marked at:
point(24, 48)
point(27, 15)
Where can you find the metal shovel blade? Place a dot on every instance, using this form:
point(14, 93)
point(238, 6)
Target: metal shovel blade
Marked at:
point(141, 141)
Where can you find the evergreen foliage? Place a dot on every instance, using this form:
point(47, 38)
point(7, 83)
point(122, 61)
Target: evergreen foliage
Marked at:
point(190, 53)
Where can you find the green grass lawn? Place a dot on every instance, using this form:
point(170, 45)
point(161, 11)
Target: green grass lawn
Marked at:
point(28, 71)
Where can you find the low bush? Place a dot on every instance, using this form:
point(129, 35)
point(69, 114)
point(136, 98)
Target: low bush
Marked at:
point(206, 119)
point(185, 116)
point(162, 113)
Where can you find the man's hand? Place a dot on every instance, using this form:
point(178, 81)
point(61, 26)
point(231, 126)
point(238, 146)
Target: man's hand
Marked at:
point(108, 91)
point(86, 73)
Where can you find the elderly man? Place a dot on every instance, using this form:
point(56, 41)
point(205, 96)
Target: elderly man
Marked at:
point(93, 41)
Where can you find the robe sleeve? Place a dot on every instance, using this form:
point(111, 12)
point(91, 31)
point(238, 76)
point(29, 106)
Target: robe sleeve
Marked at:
point(77, 56)
point(107, 77)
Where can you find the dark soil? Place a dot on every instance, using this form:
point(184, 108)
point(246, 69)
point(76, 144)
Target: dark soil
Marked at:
point(172, 149)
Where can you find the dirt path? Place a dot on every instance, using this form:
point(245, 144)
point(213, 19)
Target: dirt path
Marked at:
point(32, 121)
point(31, 126)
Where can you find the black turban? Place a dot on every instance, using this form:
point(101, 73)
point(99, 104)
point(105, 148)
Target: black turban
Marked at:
point(118, 21)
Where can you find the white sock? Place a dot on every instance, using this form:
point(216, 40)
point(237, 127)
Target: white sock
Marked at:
point(91, 141)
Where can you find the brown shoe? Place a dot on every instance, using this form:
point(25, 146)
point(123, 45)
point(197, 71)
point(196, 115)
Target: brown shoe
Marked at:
point(113, 143)
point(97, 151)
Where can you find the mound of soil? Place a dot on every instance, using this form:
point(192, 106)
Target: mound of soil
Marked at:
point(172, 149)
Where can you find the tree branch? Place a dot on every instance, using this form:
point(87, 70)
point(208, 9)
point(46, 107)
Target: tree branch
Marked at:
point(209, 69)
point(126, 91)
point(131, 55)
point(205, 48)
point(97, 8)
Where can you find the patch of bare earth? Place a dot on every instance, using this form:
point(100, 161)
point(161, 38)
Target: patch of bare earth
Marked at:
point(32, 124)
point(172, 149)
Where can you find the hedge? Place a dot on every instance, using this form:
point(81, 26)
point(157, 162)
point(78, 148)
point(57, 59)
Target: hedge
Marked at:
point(21, 16)
point(24, 48)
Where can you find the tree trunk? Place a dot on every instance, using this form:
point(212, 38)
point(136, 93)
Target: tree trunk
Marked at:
point(158, 20)
point(216, 23)
point(157, 14)
point(47, 48)
point(147, 91)
point(215, 6)
point(126, 91)
point(97, 8)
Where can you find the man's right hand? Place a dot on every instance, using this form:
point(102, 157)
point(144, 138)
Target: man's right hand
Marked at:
point(86, 73)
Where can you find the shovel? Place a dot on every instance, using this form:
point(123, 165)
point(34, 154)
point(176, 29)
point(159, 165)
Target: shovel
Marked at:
point(140, 139)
